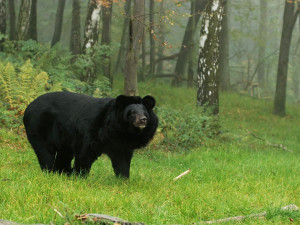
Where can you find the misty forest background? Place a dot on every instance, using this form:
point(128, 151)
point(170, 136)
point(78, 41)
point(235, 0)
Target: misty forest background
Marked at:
point(168, 45)
point(225, 76)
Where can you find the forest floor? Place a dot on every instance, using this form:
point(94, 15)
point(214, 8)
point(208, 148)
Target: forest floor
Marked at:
point(252, 166)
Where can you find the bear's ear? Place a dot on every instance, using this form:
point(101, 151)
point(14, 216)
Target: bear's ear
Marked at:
point(149, 102)
point(121, 100)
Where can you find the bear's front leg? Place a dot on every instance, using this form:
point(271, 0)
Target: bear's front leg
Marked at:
point(121, 164)
point(82, 165)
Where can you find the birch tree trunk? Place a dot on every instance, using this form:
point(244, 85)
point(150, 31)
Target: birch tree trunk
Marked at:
point(106, 38)
point(91, 33)
point(24, 20)
point(2, 21)
point(289, 19)
point(58, 22)
point(91, 30)
point(12, 20)
point(208, 95)
point(135, 41)
point(75, 43)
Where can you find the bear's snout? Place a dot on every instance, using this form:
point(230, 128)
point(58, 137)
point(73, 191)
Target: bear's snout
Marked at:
point(141, 121)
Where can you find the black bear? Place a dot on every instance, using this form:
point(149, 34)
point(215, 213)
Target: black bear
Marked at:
point(64, 125)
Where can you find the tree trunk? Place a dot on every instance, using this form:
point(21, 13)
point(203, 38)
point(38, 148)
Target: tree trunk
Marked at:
point(58, 22)
point(91, 34)
point(2, 21)
point(289, 19)
point(187, 42)
point(91, 30)
point(141, 75)
point(208, 95)
point(151, 38)
point(262, 43)
point(75, 43)
point(132, 56)
point(190, 81)
point(32, 29)
point(223, 71)
point(12, 20)
point(160, 65)
point(123, 46)
point(24, 20)
point(106, 38)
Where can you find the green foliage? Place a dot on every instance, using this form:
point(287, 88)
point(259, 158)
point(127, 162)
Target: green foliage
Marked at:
point(101, 88)
point(54, 61)
point(182, 130)
point(18, 89)
point(93, 59)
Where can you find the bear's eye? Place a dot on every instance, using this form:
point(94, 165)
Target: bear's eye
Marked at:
point(131, 113)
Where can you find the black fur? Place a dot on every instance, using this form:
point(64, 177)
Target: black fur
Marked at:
point(64, 125)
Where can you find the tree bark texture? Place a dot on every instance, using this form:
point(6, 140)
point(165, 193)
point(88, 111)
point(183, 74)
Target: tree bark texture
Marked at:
point(32, 29)
point(190, 71)
point(160, 53)
point(135, 41)
point(208, 95)
point(151, 38)
point(91, 34)
point(58, 22)
point(75, 43)
point(123, 44)
point(289, 19)
point(106, 38)
point(91, 30)
point(12, 20)
point(141, 75)
point(223, 71)
point(186, 45)
point(2, 21)
point(24, 20)
point(262, 42)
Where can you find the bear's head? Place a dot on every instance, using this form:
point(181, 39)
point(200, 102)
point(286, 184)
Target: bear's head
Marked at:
point(135, 111)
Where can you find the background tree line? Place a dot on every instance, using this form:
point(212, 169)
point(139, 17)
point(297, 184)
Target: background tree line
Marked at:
point(159, 40)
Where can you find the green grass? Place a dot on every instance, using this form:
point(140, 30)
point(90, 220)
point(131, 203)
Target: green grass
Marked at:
point(233, 174)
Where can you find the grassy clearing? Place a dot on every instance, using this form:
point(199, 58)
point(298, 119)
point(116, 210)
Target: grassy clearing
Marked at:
point(233, 174)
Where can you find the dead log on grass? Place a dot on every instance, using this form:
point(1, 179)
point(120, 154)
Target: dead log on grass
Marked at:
point(291, 207)
point(269, 143)
point(105, 219)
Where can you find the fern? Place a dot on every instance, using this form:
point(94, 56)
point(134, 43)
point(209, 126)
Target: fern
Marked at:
point(7, 80)
point(19, 89)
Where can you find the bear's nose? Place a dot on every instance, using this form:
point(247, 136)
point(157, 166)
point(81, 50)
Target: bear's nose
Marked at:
point(143, 119)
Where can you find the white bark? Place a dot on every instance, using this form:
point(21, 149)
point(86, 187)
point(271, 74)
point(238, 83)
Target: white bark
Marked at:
point(209, 55)
point(92, 24)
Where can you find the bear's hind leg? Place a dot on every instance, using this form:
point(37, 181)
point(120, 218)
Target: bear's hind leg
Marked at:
point(62, 163)
point(45, 157)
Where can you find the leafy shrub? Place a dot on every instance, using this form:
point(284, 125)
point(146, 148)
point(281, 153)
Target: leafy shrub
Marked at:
point(182, 130)
point(93, 59)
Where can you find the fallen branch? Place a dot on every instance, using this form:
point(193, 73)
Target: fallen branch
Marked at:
point(291, 207)
point(181, 175)
point(269, 143)
point(105, 219)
